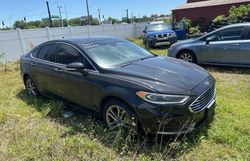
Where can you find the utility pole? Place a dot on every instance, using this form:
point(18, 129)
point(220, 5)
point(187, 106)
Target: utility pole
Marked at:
point(50, 20)
point(127, 16)
point(87, 5)
point(60, 14)
point(66, 15)
point(99, 15)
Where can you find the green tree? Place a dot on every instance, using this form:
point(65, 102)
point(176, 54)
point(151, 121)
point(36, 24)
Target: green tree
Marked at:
point(20, 24)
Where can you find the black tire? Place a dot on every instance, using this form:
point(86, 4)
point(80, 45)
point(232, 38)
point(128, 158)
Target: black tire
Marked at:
point(147, 44)
point(31, 87)
point(188, 56)
point(130, 123)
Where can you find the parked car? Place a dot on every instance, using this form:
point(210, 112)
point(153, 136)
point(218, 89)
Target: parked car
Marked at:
point(158, 34)
point(181, 30)
point(122, 83)
point(229, 45)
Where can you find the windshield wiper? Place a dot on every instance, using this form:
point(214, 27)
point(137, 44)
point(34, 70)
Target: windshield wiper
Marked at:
point(130, 62)
point(148, 57)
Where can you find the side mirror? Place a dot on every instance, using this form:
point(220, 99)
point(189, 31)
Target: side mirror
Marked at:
point(75, 66)
point(144, 31)
point(211, 38)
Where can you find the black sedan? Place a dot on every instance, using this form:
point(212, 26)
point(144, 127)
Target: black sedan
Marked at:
point(122, 83)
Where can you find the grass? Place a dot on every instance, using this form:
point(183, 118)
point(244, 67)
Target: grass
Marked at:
point(35, 128)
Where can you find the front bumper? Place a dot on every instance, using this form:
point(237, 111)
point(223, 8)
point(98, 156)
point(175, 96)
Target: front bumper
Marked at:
point(162, 41)
point(178, 119)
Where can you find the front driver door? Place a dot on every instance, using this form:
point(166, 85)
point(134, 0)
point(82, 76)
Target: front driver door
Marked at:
point(224, 50)
point(74, 86)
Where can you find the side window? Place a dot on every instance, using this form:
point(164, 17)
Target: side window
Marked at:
point(233, 33)
point(248, 35)
point(35, 52)
point(47, 52)
point(67, 54)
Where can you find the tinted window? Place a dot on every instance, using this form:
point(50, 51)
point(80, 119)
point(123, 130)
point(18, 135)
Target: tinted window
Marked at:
point(35, 52)
point(231, 34)
point(67, 54)
point(47, 52)
point(248, 35)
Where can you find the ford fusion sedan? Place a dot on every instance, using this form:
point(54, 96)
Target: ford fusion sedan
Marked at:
point(229, 45)
point(122, 83)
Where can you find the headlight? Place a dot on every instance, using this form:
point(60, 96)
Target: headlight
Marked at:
point(151, 36)
point(162, 98)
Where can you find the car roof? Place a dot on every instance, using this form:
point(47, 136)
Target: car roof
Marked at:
point(238, 25)
point(88, 40)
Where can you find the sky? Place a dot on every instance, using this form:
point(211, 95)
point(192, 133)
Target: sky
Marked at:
point(12, 10)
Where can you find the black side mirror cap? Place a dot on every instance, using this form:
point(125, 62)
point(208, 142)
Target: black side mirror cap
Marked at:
point(75, 66)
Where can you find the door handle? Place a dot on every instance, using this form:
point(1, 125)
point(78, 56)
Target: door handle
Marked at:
point(33, 64)
point(58, 69)
point(236, 44)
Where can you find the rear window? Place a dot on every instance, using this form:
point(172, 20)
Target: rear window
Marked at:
point(34, 52)
point(233, 33)
point(47, 52)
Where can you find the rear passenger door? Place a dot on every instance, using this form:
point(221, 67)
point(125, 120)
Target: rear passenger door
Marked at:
point(245, 48)
point(74, 86)
point(42, 67)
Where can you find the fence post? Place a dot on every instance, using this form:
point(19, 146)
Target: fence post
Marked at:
point(134, 30)
point(88, 30)
point(70, 31)
point(22, 43)
point(116, 30)
point(48, 33)
point(103, 31)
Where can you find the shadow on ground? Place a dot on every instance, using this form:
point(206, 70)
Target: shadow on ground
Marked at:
point(227, 69)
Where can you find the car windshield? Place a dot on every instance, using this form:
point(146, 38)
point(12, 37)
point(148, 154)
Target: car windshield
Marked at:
point(158, 27)
point(110, 54)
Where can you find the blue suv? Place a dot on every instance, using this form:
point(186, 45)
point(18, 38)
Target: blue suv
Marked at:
point(158, 34)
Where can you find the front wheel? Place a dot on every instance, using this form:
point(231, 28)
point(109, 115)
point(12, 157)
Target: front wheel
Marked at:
point(117, 115)
point(187, 56)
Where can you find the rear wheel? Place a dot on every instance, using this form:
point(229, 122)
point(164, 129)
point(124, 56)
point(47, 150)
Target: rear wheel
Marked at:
point(31, 87)
point(187, 56)
point(117, 115)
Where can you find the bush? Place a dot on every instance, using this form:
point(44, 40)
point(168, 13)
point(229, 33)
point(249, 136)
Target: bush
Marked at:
point(188, 22)
point(236, 15)
point(239, 14)
point(218, 22)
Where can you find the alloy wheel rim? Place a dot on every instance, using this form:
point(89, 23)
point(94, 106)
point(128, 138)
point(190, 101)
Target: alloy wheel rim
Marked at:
point(186, 57)
point(117, 117)
point(31, 88)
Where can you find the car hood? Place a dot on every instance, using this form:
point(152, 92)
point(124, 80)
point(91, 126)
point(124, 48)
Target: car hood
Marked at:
point(164, 75)
point(160, 32)
point(182, 42)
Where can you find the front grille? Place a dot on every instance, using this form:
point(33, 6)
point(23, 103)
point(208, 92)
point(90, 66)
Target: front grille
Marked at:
point(162, 35)
point(203, 100)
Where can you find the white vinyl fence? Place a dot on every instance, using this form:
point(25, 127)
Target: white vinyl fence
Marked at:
point(15, 43)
